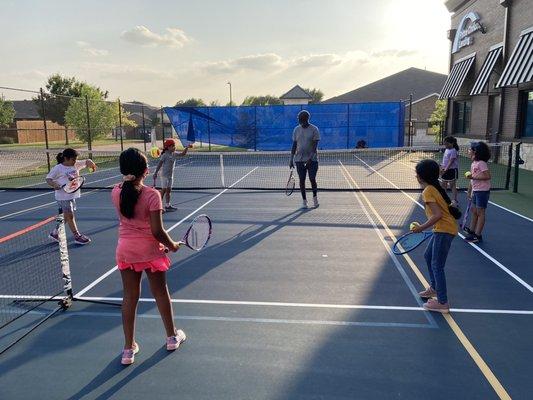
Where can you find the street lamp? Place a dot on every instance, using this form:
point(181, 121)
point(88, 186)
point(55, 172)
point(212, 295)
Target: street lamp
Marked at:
point(230, 97)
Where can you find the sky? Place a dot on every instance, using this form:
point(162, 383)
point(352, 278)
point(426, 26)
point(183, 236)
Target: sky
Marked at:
point(162, 51)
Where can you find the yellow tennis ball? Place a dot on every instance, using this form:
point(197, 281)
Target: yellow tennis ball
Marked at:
point(468, 174)
point(413, 225)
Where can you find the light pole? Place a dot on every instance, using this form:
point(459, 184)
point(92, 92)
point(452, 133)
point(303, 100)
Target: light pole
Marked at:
point(230, 97)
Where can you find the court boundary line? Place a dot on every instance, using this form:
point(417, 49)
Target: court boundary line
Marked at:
point(483, 367)
point(315, 305)
point(110, 271)
point(474, 245)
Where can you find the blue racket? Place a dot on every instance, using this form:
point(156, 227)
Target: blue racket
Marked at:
point(410, 241)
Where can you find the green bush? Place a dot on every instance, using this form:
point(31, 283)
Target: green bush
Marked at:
point(6, 140)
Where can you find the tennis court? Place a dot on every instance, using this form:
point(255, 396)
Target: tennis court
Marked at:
point(284, 303)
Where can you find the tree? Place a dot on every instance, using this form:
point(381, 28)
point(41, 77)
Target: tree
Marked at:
point(437, 118)
point(103, 115)
point(60, 90)
point(214, 103)
point(316, 94)
point(267, 100)
point(192, 102)
point(7, 113)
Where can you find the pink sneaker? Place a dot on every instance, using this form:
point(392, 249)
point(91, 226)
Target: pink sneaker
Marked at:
point(173, 342)
point(54, 236)
point(81, 239)
point(434, 305)
point(428, 293)
point(128, 355)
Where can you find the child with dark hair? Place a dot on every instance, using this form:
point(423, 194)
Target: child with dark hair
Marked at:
point(166, 165)
point(68, 167)
point(478, 190)
point(141, 247)
point(441, 216)
point(450, 166)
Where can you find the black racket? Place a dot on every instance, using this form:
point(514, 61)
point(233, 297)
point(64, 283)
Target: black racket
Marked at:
point(410, 241)
point(198, 233)
point(74, 184)
point(290, 183)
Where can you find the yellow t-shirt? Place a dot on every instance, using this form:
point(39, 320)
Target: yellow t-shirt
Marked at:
point(447, 223)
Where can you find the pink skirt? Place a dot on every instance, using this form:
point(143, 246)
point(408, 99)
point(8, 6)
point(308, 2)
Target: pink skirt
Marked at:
point(160, 264)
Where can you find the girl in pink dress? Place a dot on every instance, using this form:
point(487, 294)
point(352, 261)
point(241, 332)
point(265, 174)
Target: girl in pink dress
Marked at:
point(141, 247)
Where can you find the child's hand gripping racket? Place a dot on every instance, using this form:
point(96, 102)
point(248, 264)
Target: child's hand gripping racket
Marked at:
point(290, 183)
point(198, 233)
point(410, 241)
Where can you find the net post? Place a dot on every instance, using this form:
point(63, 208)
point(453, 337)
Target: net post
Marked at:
point(64, 260)
point(516, 166)
point(43, 111)
point(89, 139)
point(162, 126)
point(120, 124)
point(509, 166)
point(144, 127)
point(222, 170)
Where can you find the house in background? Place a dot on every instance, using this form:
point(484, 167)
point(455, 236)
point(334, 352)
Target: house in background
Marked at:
point(424, 85)
point(28, 126)
point(296, 96)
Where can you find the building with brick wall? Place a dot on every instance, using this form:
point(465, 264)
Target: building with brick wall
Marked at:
point(490, 86)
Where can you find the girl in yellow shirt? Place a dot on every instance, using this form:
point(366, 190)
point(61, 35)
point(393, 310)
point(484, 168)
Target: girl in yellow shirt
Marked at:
point(441, 216)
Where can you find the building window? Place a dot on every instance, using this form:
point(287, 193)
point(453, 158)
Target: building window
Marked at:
point(462, 116)
point(527, 112)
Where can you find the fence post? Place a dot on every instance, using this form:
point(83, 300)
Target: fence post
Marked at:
point(43, 109)
point(209, 129)
point(144, 127)
point(348, 126)
point(255, 128)
point(120, 125)
point(517, 162)
point(89, 138)
point(409, 139)
point(162, 127)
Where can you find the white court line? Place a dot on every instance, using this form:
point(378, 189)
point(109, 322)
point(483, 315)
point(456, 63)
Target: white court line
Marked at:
point(101, 278)
point(479, 249)
point(316, 305)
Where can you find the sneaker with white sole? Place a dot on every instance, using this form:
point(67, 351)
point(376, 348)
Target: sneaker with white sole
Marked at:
point(128, 355)
point(173, 342)
point(428, 293)
point(81, 239)
point(170, 207)
point(315, 202)
point(434, 305)
point(304, 204)
point(54, 236)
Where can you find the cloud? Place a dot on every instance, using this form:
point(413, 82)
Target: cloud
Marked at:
point(91, 51)
point(394, 53)
point(143, 36)
point(317, 61)
point(129, 73)
point(257, 62)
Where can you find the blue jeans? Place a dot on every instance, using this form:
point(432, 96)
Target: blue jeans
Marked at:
point(435, 255)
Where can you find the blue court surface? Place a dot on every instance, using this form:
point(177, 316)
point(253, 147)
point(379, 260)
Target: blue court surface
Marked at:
point(284, 303)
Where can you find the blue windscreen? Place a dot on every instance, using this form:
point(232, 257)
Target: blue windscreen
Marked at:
point(270, 127)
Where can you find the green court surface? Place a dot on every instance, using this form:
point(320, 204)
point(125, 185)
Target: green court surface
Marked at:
point(521, 202)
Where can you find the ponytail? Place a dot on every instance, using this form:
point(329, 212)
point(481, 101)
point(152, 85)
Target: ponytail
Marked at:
point(132, 162)
point(453, 141)
point(428, 171)
point(66, 154)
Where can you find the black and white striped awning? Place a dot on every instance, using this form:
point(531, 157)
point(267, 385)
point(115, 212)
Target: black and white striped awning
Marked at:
point(519, 68)
point(457, 76)
point(487, 68)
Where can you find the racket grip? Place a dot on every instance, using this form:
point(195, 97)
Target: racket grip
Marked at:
point(167, 250)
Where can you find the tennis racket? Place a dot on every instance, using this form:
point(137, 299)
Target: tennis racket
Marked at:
point(74, 184)
point(467, 214)
point(290, 183)
point(198, 233)
point(410, 241)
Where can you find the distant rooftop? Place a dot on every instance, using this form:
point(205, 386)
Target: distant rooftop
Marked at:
point(296, 93)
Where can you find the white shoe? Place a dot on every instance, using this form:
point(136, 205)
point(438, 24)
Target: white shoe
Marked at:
point(173, 342)
point(315, 202)
point(304, 204)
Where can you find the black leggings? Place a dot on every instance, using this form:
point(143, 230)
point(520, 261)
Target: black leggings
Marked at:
point(302, 172)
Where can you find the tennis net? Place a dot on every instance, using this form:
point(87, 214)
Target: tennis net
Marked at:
point(35, 271)
point(358, 169)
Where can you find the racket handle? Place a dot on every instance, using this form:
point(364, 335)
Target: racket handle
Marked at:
point(167, 250)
